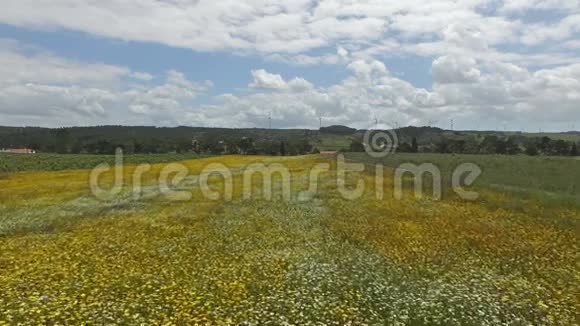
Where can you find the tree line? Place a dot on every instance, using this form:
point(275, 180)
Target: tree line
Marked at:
point(151, 140)
point(490, 144)
point(253, 141)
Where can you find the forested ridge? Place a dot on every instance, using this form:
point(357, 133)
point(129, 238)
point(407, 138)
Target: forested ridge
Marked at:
point(155, 140)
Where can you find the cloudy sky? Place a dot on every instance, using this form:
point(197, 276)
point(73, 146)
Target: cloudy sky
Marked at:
point(486, 64)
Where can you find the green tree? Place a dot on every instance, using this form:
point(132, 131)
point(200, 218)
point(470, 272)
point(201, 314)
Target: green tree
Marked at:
point(442, 146)
point(182, 145)
point(471, 146)
point(573, 150)
point(305, 147)
point(512, 147)
point(488, 145)
point(195, 147)
point(500, 146)
point(246, 145)
point(456, 146)
point(414, 145)
point(356, 146)
point(531, 148)
point(560, 147)
point(405, 148)
point(545, 145)
point(493, 145)
point(63, 141)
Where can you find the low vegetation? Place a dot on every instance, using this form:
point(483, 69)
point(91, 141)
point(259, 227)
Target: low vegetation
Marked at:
point(10, 163)
point(69, 258)
point(549, 175)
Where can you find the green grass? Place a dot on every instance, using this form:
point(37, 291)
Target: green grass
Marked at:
point(58, 162)
point(332, 142)
point(553, 180)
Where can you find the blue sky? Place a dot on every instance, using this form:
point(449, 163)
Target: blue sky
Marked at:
point(486, 64)
point(228, 69)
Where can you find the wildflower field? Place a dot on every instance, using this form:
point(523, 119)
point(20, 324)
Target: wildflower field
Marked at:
point(68, 258)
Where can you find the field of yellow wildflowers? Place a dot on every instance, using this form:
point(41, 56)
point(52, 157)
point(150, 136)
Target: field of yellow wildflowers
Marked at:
point(68, 258)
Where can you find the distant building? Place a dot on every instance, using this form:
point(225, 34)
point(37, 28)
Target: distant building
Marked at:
point(18, 150)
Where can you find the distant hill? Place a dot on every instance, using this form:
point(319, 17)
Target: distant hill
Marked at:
point(149, 139)
point(338, 130)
